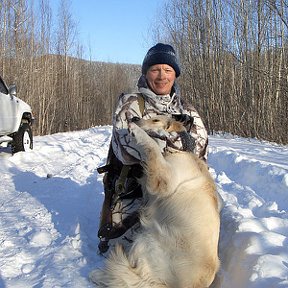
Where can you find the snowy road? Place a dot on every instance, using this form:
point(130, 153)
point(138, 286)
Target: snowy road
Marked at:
point(48, 226)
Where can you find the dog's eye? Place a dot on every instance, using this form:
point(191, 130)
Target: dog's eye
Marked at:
point(155, 120)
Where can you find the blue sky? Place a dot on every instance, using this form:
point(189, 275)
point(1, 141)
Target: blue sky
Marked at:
point(116, 30)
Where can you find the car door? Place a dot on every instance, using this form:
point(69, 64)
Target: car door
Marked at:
point(8, 107)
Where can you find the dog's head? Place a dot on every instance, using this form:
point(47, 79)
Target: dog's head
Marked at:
point(158, 123)
point(168, 129)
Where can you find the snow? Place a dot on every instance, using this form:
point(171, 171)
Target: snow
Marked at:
point(51, 197)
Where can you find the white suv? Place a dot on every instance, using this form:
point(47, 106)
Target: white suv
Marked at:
point(15, 120)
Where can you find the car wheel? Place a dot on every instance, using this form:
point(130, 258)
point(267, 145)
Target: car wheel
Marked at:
point(22, 139)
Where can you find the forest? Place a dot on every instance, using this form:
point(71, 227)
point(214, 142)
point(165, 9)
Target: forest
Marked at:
point(233, 55)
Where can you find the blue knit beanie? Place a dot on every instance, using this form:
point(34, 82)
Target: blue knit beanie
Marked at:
point(161, 54)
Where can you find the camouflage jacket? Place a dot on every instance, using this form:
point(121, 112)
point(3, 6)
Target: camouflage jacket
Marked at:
point(128, 107)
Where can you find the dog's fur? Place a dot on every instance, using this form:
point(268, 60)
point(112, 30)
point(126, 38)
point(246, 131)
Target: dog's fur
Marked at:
point(178, 243)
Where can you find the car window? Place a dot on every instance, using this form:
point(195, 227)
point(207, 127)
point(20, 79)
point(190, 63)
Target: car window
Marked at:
point(3, 88)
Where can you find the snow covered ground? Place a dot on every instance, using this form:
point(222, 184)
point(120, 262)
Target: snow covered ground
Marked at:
point(50, 200)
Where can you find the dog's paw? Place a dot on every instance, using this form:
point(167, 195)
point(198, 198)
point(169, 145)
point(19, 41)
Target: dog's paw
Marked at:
point(95, 275)
point(138, 133)
point(132, 126)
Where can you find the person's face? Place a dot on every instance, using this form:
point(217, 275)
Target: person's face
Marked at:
point(160, 78)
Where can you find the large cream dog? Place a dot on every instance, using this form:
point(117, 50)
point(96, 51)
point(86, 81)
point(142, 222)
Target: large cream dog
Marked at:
point(177, 245)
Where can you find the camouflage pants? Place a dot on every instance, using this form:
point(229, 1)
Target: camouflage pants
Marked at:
point(120, 211)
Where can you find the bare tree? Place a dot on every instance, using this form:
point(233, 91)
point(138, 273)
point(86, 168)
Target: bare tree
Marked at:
point(233, 56)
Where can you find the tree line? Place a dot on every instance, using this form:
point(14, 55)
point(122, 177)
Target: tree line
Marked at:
point(235, 62)
point(233, 57)
point(40, 53)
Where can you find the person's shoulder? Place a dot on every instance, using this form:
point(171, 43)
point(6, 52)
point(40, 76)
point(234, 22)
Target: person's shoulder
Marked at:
point(187, 106)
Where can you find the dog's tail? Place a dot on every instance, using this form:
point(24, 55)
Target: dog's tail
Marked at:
point(118, 272)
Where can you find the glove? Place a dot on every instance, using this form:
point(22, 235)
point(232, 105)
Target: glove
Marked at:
point(185, 119)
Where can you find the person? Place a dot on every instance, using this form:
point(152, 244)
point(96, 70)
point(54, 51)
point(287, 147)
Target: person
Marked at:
point(158, 94)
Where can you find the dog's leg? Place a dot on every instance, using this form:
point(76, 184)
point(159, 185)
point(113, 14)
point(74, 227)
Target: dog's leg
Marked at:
point(158, 171)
